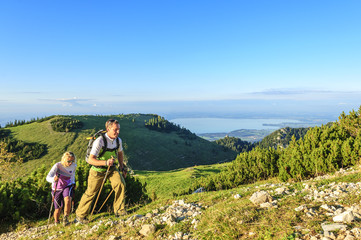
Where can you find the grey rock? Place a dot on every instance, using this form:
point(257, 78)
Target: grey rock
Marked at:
point(147, 229)
point(333, 227)
point(346, 217)
point(261, 197)
point(281, 190)
point(199, 190)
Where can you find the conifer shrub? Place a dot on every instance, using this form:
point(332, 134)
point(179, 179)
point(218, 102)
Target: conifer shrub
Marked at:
point(160, 124)
point(24, 150)
point(282, 137)
point(4, 133)
point(65, 124)
point(235, 144)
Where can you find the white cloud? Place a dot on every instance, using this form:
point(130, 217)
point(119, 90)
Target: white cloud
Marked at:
point(68, 102)
point(304, 94)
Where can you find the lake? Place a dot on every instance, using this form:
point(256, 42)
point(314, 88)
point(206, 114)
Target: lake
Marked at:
point(218, 125)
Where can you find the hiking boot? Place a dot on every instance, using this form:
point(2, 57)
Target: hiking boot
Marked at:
point(65, 221)
point(81, 220)
point(121, 213)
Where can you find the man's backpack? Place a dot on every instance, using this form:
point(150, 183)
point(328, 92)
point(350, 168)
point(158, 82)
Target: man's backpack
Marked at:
point(104, 149)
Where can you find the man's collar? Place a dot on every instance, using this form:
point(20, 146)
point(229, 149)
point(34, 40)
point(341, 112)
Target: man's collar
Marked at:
point(111, 139)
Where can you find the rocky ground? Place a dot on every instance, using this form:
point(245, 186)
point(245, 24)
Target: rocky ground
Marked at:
point(167, 215)
point(328, 196)
point(321, 202)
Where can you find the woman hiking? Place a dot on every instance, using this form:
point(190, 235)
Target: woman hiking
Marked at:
point(62, 177)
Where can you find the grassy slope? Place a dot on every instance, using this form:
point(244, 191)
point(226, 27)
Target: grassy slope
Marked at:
point(57, 143)
point(165, 183)
point(144, 149)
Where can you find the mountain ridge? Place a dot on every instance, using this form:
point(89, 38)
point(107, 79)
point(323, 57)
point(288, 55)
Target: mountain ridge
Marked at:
point(144, 149)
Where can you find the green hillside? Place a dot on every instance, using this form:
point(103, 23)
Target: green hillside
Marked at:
point(144, 149)
point(315, 167)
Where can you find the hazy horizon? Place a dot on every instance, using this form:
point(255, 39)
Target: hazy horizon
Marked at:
point(310, 118)
point(180, 58)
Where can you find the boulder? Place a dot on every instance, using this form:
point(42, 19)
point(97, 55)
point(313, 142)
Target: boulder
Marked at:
point(199, 190)
point(281, 190)
point(147, 229)
point(346, 217)
point(261, 197)
point(333, 227)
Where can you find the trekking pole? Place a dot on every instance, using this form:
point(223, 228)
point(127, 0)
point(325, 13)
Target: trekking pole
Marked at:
point(72, 199)
point(105, 200)
point(95, 204)
point(52, 201)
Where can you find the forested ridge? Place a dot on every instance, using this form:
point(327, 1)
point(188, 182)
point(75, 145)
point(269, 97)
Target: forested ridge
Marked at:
point(65, 124)
point(236, 144)
point(279, 138)
point(282, 137)
point(23, 122)
point(160, 124)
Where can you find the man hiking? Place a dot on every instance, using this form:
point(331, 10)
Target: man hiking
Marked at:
point(104, 163)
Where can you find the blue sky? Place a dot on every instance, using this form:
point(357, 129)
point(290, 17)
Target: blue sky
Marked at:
point(179, 57)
